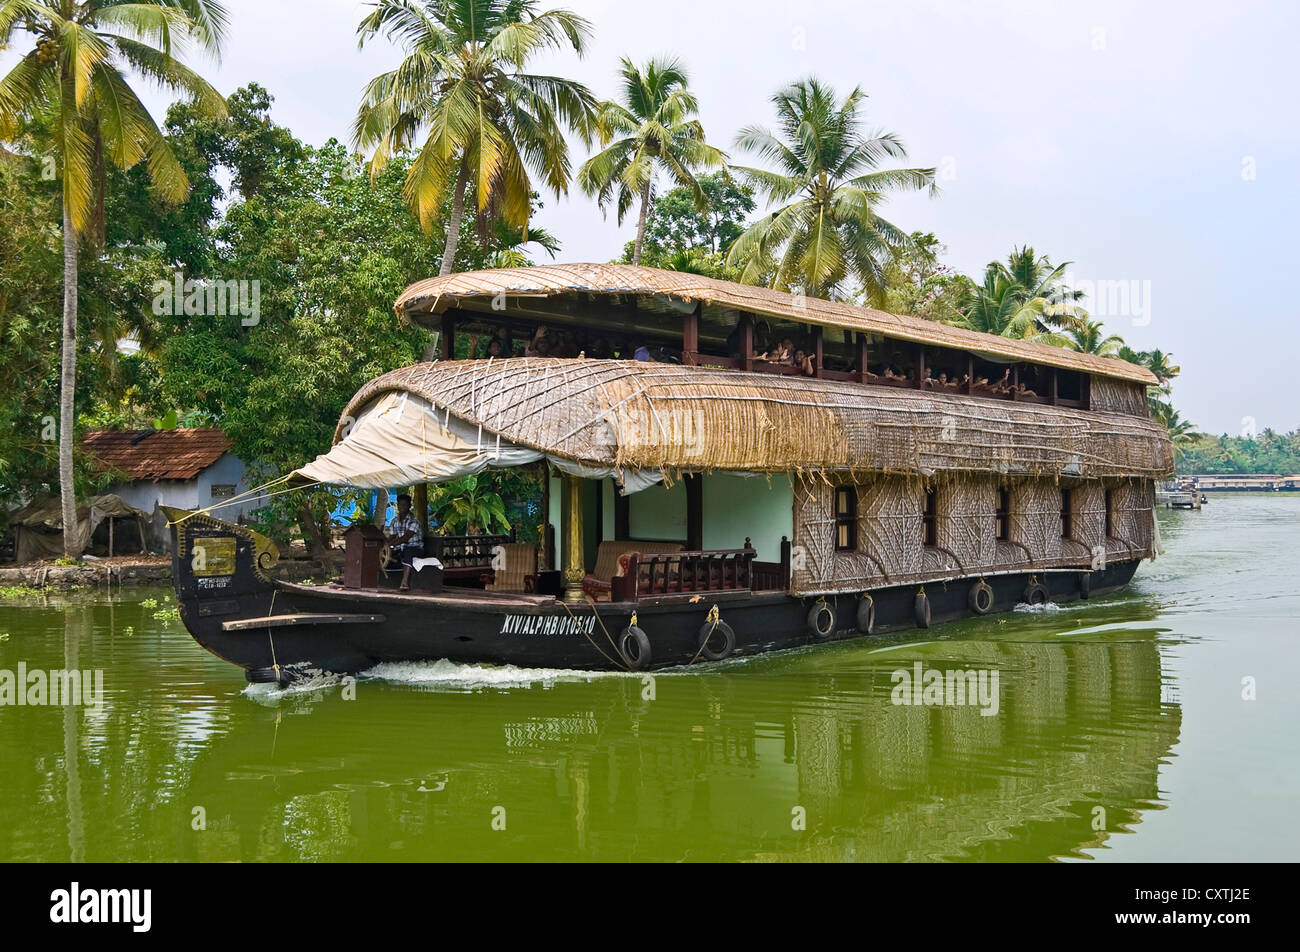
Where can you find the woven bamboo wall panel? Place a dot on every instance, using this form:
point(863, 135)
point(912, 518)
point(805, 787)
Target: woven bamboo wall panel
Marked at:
point(1132, 522)
point(1118, 396)
point(1088, 506)
point(1036, 519)
point(890, 531)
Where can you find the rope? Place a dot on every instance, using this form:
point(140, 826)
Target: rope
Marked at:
point(620, 663)
point(275, 665)
point(712, 618)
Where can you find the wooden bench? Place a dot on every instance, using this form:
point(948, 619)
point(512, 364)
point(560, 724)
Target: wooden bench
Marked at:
point(706, 570)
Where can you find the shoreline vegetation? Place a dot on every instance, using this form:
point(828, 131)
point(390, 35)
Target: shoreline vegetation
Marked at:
point(324, 238)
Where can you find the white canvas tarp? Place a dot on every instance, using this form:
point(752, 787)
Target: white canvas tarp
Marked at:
point(400, 439)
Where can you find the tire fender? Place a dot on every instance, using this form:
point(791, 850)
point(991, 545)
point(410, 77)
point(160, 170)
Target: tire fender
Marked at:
point(866, 614)
point(980, 599)
point(821, 619)
point(921, 609)
point(634, 648)
point(1036, 593)
point(708, 636)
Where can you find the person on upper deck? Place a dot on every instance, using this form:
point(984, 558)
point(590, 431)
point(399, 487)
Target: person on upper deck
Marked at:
point(539, 346)
point(405, 538)
point(783, 353)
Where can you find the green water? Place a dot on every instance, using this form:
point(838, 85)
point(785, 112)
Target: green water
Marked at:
point(1120, 733)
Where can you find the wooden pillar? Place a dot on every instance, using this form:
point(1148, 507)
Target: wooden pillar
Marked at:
point(920, 368)
point(548, 531)
point(694, 512)
point(1051, 393)
point(691, 336)
point(1015, 379)
point(818, 350)
point(970, 374)
point(420, 507)
point(622, 515)
point(746, 341)
point(448, 342)
point(574, 569)
point(864, 358)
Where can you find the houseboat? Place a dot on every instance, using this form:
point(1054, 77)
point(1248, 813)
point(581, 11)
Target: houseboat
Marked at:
point(727, 470)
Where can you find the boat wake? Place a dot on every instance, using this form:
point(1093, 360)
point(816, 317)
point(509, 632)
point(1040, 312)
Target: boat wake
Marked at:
point(1045, 607)
point(444, 674)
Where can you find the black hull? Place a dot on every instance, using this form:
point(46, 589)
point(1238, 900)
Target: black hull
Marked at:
point(347, 631)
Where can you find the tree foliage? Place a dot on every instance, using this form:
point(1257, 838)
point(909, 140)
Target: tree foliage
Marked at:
point(824, 188)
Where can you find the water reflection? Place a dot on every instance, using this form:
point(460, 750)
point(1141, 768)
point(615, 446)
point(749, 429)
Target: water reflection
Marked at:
point(720, 763)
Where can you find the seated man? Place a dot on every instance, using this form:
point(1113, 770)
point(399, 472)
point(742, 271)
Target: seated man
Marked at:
point(404, 536)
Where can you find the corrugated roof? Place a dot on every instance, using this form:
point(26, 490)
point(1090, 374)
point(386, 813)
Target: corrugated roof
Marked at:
point(157, 454)
point(435, 295)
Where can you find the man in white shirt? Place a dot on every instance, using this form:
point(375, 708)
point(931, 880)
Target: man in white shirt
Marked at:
point(405, 538)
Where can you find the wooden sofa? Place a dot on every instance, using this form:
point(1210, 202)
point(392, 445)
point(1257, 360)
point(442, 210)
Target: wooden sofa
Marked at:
point(599, 581)
point(516, 569)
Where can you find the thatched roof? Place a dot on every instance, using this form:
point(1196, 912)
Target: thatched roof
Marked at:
point(638, 415)
point(435, 295)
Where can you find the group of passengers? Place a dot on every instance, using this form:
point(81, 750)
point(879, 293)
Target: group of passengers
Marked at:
point(545, 342)
point(782, 353)
point(1002, 386)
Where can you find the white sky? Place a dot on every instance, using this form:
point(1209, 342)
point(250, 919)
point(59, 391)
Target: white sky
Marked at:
point(1114, 135)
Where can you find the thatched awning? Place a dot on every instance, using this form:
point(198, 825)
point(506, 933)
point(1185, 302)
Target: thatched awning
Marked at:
point(435, 295)
point(633, 417)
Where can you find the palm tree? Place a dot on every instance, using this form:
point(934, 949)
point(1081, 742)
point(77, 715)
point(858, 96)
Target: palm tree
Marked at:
point(827, 184)
point(74, 82)
point(1156, 361)
point(485, 122)
point(1087, 338)
point(1037, 277)
point(652, 128)
point(511, 243)
point(1181, 431)
point(999, 307)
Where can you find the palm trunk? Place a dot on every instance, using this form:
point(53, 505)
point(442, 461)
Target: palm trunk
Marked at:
point(640, 223)
point(457, 212)
point(68, 386)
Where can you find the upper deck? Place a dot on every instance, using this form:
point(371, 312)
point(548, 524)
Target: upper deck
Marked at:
point(609, 311)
